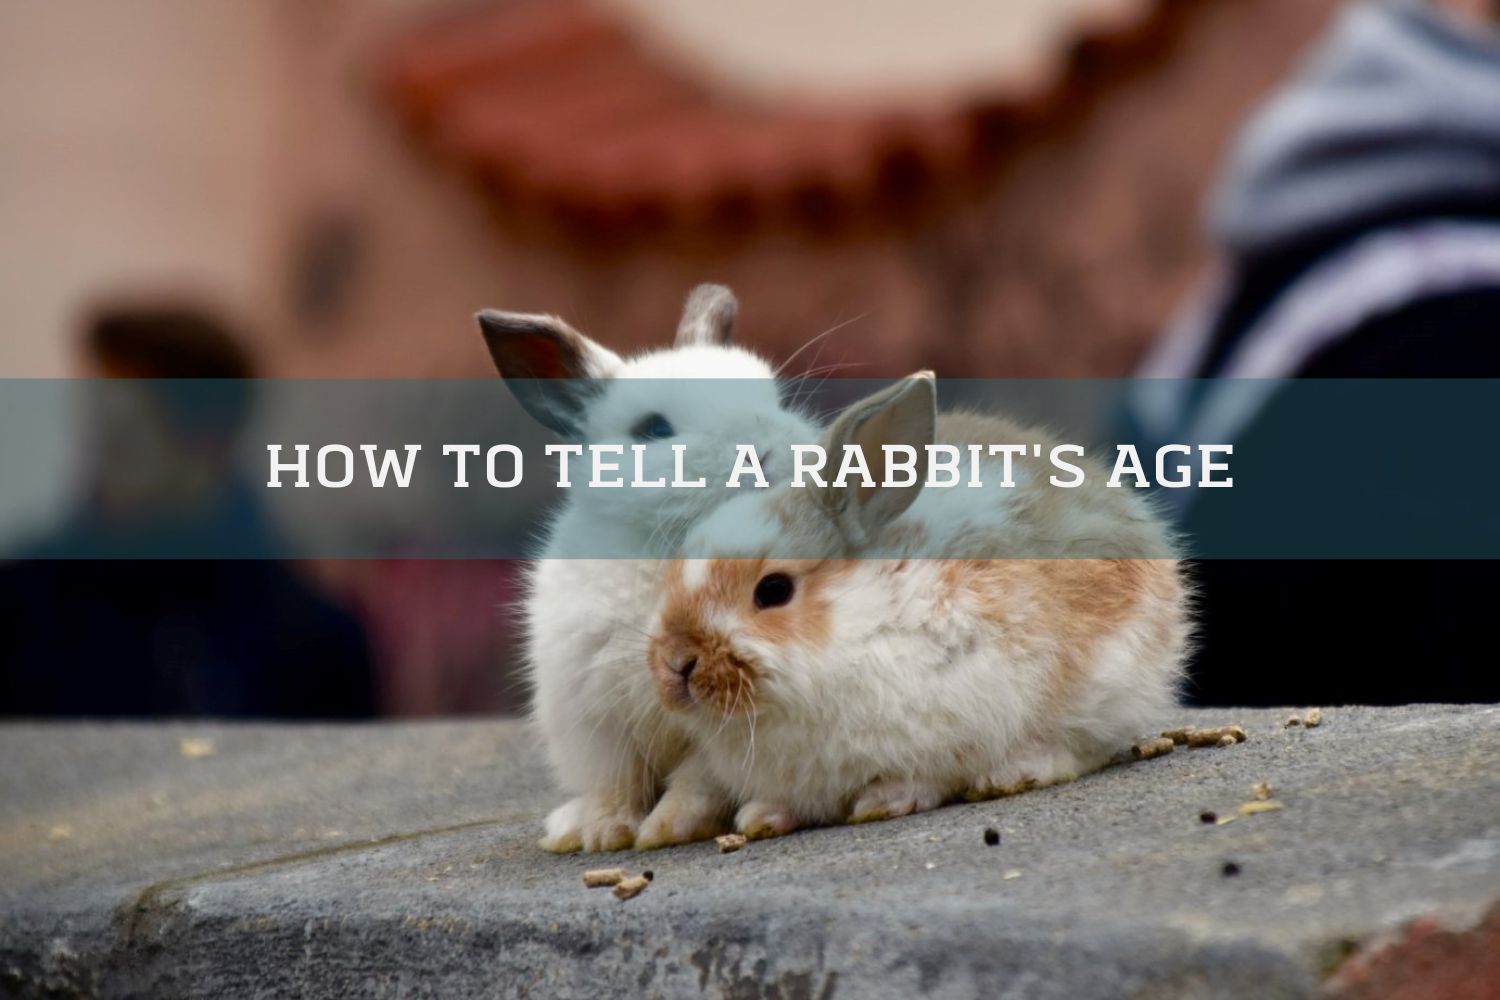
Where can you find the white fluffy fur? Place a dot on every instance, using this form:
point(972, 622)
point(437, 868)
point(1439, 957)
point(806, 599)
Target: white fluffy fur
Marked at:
point(609, 741)
point(921, 696)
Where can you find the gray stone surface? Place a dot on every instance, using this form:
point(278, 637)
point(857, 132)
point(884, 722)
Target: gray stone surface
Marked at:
point(399, 860)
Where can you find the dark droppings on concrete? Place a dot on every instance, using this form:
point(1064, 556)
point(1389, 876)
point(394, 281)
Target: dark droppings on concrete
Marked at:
point(300, 861)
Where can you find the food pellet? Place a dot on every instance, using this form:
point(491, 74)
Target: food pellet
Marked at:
point(991, 837)
point(631, 887)
point(1312, 717)
point(730, 842)
point(1177, 735)
point(1295, 720)
point(601, 878)
point(1222, 736)
point(1152, 748)
point(1261, 790)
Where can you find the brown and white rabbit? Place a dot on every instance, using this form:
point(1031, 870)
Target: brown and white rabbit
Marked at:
point(863, 679)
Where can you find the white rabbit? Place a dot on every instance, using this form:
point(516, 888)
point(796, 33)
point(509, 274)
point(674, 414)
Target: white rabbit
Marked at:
point(599, 575)
point(861, 679)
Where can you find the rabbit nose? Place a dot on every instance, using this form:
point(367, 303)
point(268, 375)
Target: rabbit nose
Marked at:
point(686, 667)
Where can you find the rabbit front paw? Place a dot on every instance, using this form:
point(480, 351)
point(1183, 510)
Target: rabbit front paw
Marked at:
point(890, 799)
point(683, 818)
point(591, 823)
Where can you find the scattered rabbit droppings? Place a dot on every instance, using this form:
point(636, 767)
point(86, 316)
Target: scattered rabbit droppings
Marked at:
point(991, 837)
point(1230, 869)
point(603, 878)
point(1208, 816)
point(631, 887)
point(730, 842)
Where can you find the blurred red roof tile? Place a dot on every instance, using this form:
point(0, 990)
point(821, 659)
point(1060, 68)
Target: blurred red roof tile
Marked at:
point(552, 104)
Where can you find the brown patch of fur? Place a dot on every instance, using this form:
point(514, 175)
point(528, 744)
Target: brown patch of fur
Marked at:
point(1076, 602)
point(725, 673)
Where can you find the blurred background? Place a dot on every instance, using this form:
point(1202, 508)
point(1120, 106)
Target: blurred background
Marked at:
point(992, 188)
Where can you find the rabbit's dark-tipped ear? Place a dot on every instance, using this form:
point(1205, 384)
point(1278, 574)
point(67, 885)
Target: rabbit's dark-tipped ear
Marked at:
point(904, 414)
point(708, 317)
point(530, 350)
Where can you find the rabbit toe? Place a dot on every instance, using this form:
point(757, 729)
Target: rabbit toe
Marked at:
point(761, 820)
point(682, 820)
point(890, 799)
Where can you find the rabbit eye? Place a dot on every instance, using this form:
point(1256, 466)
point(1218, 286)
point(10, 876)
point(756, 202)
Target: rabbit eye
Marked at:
point(774, 590)
point(653, 427)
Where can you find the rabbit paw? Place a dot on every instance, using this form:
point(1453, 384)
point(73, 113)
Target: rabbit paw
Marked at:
point(683, 817)
point(760, 820)
point(1036, 767)
point(889, 799)
point(590, 823)
point(564, 828)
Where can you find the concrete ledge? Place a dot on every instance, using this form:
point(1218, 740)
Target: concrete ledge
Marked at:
point(398, 860)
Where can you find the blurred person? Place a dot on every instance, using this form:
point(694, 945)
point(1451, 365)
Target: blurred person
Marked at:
point(1359, 226)
point(114, 613)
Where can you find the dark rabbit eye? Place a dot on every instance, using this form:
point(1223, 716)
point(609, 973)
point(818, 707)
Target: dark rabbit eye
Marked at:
point(653, 427)
point(774, 590)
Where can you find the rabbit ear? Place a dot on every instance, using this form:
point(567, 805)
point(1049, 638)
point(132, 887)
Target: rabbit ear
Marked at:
point(707, 317)
point(531, 351)
point(904, 414)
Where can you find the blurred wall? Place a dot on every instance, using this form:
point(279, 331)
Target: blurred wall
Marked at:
point(231, 151)
point(137, 141)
